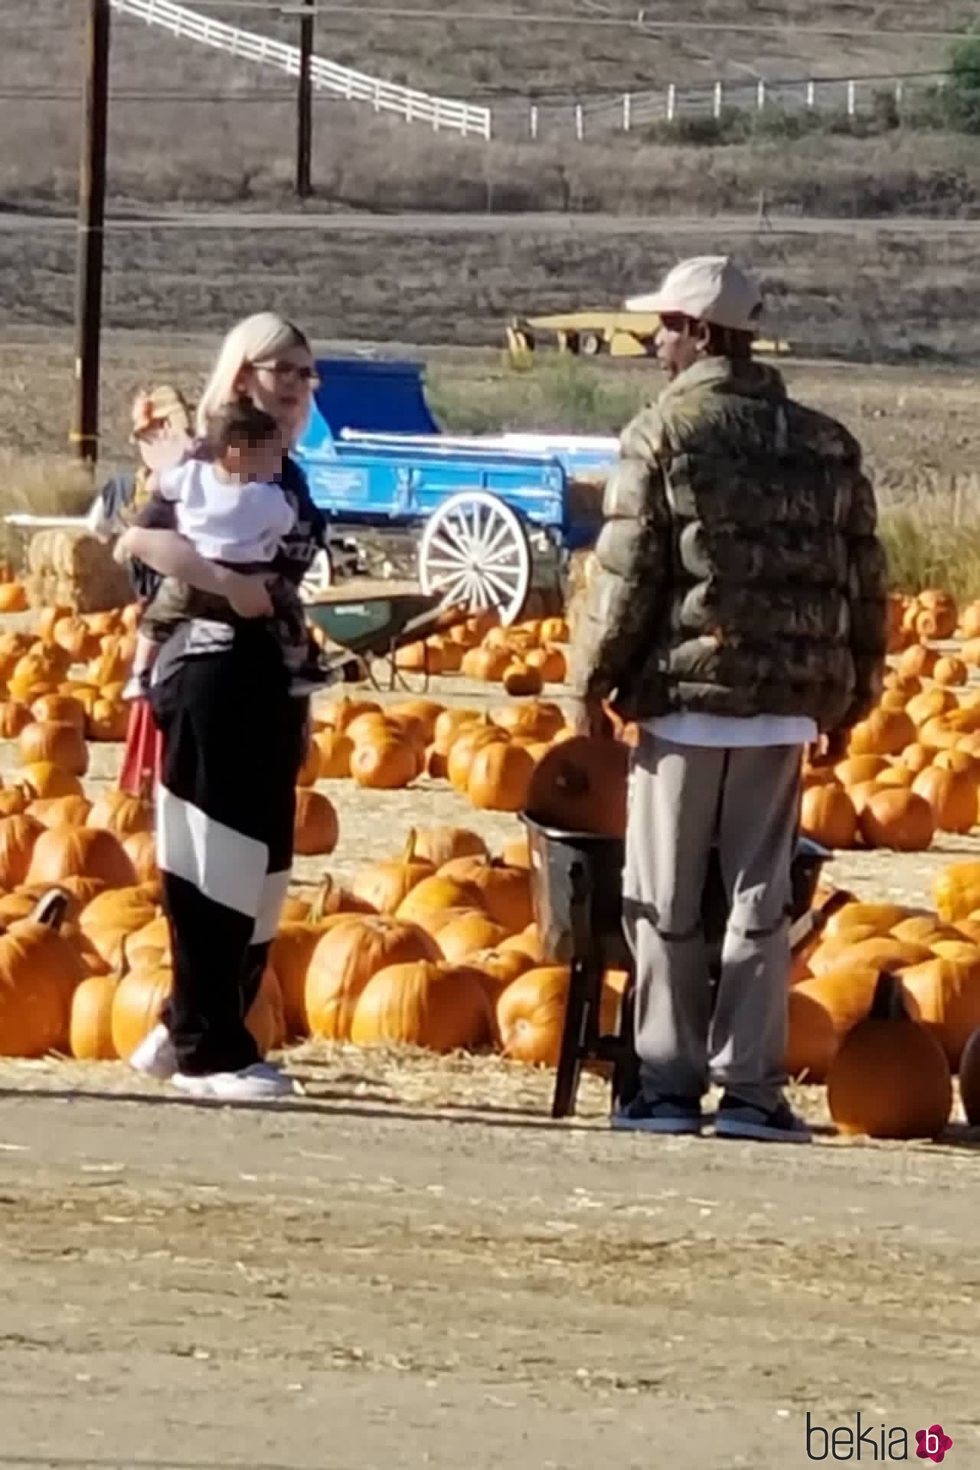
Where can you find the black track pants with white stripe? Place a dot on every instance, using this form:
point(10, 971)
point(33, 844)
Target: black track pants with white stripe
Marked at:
point(232, 740)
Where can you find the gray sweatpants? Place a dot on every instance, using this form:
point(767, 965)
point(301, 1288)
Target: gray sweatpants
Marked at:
point(682, 799)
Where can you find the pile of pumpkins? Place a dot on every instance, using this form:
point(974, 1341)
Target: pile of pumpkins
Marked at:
point(523, 658)
point(488, 756)
point(73, 667)
point(434, 948)
point(913, 766)
point(933, 958)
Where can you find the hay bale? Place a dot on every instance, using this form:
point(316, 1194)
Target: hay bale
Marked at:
point(74, 569)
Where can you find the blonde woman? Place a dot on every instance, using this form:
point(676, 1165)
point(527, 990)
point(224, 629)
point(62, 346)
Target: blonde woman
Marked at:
point(233, 740)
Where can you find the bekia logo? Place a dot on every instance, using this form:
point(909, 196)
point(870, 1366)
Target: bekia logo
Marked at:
point(932, 1443)
point(874, 1442)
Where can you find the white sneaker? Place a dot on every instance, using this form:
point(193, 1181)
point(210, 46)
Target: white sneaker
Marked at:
point(155, 1056)
point(260, 1082)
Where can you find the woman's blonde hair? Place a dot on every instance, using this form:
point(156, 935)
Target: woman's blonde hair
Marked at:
point(257, 337)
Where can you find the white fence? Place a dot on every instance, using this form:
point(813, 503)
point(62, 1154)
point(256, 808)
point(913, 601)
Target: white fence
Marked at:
point(441, 113)
point(594, 116)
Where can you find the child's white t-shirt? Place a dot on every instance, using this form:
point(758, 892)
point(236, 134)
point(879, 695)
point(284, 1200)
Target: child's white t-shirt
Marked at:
point(227, 521)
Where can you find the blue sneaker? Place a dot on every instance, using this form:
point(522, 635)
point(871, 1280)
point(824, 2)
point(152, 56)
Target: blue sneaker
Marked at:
point(659, 1115)
point(737, 1119)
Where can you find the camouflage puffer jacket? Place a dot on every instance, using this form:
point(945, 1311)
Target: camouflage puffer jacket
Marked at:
point(737, 571)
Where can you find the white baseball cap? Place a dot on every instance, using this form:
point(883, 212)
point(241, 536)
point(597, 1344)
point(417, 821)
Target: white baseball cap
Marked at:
point(707, 288)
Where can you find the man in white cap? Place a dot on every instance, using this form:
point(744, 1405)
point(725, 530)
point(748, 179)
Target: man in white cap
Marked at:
point(737, 614)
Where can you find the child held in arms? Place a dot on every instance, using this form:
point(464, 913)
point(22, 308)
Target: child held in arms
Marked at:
point(227, 503)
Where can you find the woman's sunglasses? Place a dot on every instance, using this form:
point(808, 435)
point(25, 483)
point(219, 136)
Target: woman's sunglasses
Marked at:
point(284, 371)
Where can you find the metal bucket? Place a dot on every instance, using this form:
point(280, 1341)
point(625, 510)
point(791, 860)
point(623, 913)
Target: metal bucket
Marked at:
point(577, 893)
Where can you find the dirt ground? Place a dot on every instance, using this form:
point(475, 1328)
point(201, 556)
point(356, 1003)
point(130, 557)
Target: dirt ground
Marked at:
point(412, 1265)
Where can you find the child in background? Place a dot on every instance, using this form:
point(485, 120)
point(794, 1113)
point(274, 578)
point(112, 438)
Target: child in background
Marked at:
point(228, 505)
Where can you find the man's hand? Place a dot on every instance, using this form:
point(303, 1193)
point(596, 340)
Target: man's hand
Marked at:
point(592, 719)
point(249, 596)
point(829, 748)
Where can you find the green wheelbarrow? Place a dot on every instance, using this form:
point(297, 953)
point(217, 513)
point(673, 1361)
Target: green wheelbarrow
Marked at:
point(377, 626)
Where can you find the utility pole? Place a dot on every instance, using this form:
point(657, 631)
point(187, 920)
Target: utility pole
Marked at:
point(304, 116)
point(91, 233)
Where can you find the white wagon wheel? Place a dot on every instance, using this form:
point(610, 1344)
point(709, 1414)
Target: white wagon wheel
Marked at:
point(319, 577)
point(475, 550)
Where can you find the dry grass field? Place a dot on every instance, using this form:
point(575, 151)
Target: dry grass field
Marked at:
point(919, 427)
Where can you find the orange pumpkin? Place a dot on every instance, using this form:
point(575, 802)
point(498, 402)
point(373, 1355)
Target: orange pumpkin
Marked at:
point(60, 810)
point(827, 815)
point(120, 813)
point(467, 932)
point(520, 678)
point(13, 800)
point(531, 1015)
point(884, 732)
point(423, 1003)
point(897, 819)
point(504, 892)
point(61, 708)
point(13, 597)
point(581, 786)
point(109, 920)
point(14, 716)
point(868, 1086)
point(463, 750)
point(39, 970)
point(316, 829)
point(451, 723)
point(141, 995)
point(499, 777)
point(437, 894)
point(917, 662)
point(821, 1011)
point(87, 852)
point(385, 764)
point(335, 754)
point(344, 961)
point(439, 845)
point(46, 779)
point(90, 1021)
point(550, 664)
point(931, 704)
point(945, 995)
point(309, 771)
point(385, 884)
point(18, 835)
point(140, 848)
point(952, 796)
point(951, 671)
point(345, 711)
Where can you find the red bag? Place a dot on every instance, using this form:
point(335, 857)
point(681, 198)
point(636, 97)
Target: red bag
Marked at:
point(143, 753)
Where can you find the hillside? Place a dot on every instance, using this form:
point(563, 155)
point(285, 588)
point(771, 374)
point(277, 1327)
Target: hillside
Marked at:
point(537, 47)
point(191, 123)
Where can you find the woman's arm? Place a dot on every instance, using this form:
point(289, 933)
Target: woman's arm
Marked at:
point(171, 555)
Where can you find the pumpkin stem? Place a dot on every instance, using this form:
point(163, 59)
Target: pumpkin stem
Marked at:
point(51, 909)
point(889, 999)
point(409, 856)
point(319, 905)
